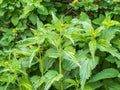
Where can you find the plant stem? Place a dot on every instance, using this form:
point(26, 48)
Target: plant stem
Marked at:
point(60, 60)
point(60, 69)
point(41, 67)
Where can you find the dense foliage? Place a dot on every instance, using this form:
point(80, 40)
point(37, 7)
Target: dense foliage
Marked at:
point(59, 45)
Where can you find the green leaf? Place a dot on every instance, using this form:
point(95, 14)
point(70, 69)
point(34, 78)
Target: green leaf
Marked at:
point(30, 41)
point(52, 53)
point(82, 53)
point(75, 21)
point(111, 85)
point(25, 84)
point(42, 10)
point(99, 20)
point(99, 30)
point(4, 78)
point(111, 59)
point(70, 82)
point(39, 24)
point(69, 65)
point(87, 88)
point(50, 77)
point(47, 63)
point(33, 54)
point(21, 51)
point(105, 46)
point(117, 63)
point(116, 41)
point(108, 22)
point(15, 20)
point(92, 48)
point(109, 34)
point(95, 85)
point(37, 81)
point(84, 17)
point(86, 66)
point(55, 20)
point(69, 54)
point(106, 73)
point(53, 39)
point(88, 28)
point(27, 9)
point(33, 18)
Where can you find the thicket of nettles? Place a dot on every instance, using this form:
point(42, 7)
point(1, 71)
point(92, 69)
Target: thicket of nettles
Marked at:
point(59, 44)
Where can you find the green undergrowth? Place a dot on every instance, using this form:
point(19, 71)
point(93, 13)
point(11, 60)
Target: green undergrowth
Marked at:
point(59, 45)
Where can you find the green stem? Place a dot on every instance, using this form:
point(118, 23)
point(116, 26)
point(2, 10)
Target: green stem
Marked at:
point(41, 67)
point(41, 61)
point(60, 61)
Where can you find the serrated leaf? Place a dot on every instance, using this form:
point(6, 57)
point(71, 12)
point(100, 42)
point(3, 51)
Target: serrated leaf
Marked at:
point(86, 66)
point(69, 65)
point(106, 73)
point(54, 42)
point(50, 77)
point(33, 54)
point(27, 9)
point(29, 41)
point(47, 63)
point(26, 42)
point(70, 38)
point(52, 52)
point(109, 34)
point(37, 81)
point(69, 54)
point(105, 46)
point(88, 28)
point(82, 53)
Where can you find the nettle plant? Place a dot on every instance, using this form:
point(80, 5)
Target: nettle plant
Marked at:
point(81, 55)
